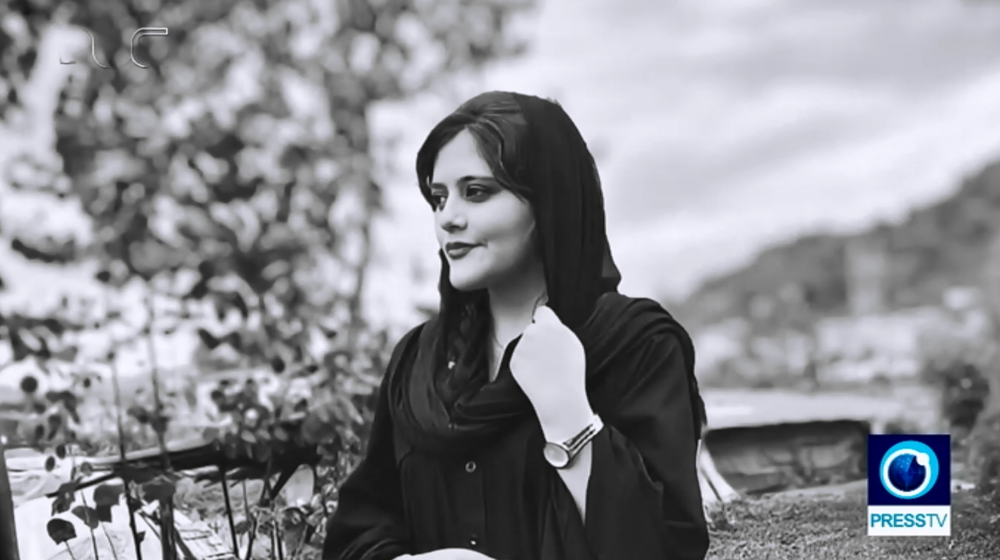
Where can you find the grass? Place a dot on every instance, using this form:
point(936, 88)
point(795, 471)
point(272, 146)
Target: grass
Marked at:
point(827, 527)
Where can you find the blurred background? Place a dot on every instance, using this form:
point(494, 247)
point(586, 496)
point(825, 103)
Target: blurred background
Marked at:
point(813, 189)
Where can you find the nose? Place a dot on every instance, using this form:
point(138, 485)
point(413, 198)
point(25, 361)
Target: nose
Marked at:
point(451, 218)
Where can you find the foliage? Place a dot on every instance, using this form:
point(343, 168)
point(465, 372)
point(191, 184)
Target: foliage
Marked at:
point(231, 184)
point(961, 370)
point(984, 456)
point(964, 390)
point(966, 374)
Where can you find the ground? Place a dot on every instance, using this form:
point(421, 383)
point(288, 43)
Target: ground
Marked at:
point(827, 526)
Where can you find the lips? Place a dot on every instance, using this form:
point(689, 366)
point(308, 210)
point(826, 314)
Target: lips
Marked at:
point(456, 250)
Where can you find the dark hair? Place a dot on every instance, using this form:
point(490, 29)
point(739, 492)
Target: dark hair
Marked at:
point(498, 128)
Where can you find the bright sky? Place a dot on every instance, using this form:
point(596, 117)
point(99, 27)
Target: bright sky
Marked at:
point(719, 127)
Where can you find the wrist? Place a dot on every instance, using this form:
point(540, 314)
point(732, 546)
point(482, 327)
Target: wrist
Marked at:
point(566, 422)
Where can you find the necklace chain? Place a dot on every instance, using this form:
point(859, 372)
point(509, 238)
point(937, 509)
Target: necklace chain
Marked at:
point(542, 300)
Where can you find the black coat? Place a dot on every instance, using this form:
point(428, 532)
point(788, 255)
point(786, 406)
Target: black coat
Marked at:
point(643, 500)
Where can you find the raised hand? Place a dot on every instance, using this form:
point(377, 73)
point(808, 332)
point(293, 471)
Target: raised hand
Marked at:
point(549, 364)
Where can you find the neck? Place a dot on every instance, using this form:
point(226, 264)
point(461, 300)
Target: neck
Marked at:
point(513, 304)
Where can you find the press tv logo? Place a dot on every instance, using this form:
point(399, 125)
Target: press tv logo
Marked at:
point(909, 485)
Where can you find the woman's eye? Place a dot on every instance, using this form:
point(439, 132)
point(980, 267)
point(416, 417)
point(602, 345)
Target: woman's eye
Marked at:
point(474, 192)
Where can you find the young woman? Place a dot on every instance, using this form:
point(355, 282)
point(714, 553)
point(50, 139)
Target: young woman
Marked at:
point(541, 415)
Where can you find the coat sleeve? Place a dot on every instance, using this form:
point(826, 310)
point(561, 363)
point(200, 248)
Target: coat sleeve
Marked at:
point(369, 522)
point(643, 499)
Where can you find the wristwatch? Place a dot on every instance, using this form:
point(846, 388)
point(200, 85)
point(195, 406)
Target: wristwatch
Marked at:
point(561, 455)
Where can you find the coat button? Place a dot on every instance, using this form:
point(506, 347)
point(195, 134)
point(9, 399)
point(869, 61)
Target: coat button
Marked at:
point(473, 542)
point(470, 467)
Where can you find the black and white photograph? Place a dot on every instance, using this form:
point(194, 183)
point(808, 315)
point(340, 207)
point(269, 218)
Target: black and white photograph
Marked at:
point(499, 280)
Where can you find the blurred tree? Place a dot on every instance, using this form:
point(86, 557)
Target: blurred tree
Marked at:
point(228, 165)
point(992, 283)
point(234, 170)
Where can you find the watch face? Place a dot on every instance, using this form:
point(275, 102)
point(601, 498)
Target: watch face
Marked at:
point(556, 456)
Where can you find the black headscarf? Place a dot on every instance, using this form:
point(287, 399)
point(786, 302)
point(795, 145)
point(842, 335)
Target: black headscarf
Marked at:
point(581, 280)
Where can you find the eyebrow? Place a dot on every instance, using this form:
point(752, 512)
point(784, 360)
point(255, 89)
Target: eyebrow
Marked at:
point(466, 180)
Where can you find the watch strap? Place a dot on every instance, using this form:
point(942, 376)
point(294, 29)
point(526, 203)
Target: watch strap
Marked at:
point(575, 444)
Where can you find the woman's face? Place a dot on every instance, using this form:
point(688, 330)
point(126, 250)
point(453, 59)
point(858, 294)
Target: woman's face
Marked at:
point(485, 231)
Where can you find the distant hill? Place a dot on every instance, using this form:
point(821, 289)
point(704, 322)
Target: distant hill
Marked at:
point(937, 246)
